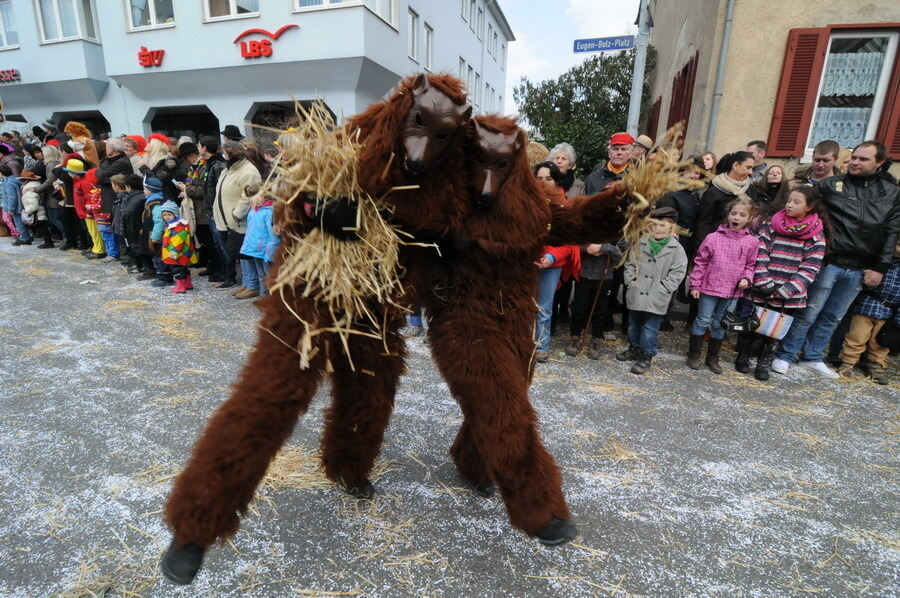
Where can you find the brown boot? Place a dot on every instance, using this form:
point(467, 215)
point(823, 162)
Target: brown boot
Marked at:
point(594, 350)
point(712, 355)
point(574, 346)
point(247, 294)
point(694, 349)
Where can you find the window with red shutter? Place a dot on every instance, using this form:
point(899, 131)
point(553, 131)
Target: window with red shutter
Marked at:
point(797, 91)
point(683, 93)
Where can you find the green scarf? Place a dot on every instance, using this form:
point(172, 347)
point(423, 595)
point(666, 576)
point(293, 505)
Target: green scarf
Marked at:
point(657, 245)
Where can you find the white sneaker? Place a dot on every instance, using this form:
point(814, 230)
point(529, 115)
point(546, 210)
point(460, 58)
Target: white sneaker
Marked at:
point(780, 366)
point(821, 369)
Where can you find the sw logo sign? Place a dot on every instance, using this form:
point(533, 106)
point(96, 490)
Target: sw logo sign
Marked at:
point(260, 48)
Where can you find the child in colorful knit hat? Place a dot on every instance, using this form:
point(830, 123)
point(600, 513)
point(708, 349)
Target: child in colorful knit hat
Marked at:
point(178, 249)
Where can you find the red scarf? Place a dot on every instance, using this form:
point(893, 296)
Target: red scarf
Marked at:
point(809, 227)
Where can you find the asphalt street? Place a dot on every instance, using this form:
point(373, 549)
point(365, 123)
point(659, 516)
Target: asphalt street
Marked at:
point(681, 483)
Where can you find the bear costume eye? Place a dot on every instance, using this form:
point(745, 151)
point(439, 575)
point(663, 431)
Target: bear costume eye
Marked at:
point(442, 135)
point(419, 122)
point(502, 164)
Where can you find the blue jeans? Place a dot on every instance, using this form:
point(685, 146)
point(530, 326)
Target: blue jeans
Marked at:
point(254, 273)
point(547, 281)
point(709, 315)
point(643, 331)
point(830, 296)
point(110, 242)
point(24, 233)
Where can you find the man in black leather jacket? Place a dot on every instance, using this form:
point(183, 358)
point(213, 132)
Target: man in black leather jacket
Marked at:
point(209, 178)
point(864, 215)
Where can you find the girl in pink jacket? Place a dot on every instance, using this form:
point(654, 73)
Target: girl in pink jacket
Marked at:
point(723, 270)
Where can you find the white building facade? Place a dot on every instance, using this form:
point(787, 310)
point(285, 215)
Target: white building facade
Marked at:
point(193, 66)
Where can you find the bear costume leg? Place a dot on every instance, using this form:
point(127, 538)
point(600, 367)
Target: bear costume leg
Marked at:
point(469, 462)
point(492, 389)
point(241, 439)
point(361, 408)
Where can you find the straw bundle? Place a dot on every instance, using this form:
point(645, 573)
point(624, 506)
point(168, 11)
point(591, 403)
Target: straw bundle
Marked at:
point(347, 278)
point(651, 178)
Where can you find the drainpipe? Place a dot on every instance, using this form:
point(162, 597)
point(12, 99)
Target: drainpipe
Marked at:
point(640, 59)
point(720, 76)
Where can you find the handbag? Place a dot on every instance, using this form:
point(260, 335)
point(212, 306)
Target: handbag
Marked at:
point(742, 318)
point(773, 324)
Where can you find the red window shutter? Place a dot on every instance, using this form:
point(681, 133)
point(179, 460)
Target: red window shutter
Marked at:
point(889, 128)
point(797, 91)
point(683, 92)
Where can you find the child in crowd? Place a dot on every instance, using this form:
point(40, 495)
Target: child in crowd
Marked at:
point(178, 250)
point(132, 208)
point(873, 310)
point(9, 187)
point(104, 223)
point(87, 198)
point(653, 271)
point(33, 213)
point(117, 181)
point(791, 250)
point(153, 226)
point(258, 248)
point(723, 270)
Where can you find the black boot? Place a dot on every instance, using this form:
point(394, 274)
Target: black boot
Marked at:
point(764, 362)
point(629, 354)
point(180, 564)
point(558, 531)
point(694, 349)
point(574, 346)
point(744, 348)
point(712, 355)
point(641, 362)
point(363, 490)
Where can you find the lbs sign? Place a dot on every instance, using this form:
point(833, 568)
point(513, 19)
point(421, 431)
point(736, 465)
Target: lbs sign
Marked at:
point(260, 48)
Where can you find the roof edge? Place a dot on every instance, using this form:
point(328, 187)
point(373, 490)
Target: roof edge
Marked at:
point(501, 19)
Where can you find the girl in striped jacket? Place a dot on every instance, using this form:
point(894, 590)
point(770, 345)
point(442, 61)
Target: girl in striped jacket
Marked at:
point(791, 250)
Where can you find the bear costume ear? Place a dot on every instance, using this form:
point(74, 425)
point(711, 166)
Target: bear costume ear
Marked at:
point(521, 140)
point(478, 127)
point(467, 115)
point(421, 84)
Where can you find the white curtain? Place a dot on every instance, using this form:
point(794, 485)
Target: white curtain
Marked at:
point(847, 126)
point(852, 74)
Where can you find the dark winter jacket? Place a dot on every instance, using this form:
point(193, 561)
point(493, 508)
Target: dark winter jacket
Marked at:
point(599, 179)
point(67, 195)
point(212, 170)
point(132, 207)
point(168, 171)
point(688, 204)
point(108, 168)
point(864, 215)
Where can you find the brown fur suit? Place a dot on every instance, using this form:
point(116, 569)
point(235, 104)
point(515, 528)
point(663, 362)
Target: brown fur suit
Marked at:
point(479, 295)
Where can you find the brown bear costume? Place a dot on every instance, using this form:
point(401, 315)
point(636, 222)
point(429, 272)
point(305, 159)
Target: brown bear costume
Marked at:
point(479, 202)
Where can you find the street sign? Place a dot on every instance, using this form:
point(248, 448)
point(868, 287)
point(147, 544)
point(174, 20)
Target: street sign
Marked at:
point(604, 44)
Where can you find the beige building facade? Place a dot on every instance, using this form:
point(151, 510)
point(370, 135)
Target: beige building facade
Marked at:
point(795, 73)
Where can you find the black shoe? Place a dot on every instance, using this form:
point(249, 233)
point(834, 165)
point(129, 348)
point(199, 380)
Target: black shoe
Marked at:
point(364, 490)
point(666, 325)
point(629, 354)
point(574, 346)
point(46, 245)
point(180, 564)
point(485, 489)
point(558, 531)
point(18, 242)
point(216, 278)
point(641, 363)
point(204, 272)
point(65, 247)
point(95, 256)
point(227, 284)
point(147, 276)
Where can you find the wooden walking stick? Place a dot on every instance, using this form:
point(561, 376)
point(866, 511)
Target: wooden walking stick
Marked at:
point(587, 325)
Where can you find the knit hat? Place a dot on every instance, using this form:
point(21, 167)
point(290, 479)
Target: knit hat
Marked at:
point(153, 183)
point(53, 142)
point(621, 139)
point(141, 142)
point(161, 137)
point(171, 206)
point(644, 141)
point(74, 166)
point(664, 214)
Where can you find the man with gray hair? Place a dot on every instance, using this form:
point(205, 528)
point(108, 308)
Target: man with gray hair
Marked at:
point(563, 155)
point(115, 162)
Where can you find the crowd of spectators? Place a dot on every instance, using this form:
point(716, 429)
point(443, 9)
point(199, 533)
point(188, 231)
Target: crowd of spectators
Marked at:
point(815, 250)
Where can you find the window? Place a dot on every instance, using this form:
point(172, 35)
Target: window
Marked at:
point(841, 83)
point(490, 40)
point(502, 56)
point(476, 89)
point(386, 9)
point(413, 34)
point(472, 13)
point(470, 81)
point(9, 36)
point(230, 9)
point(429, 45)
point(500, 104)
point(852, 90)
point(494, 45)
point(63, 20)
point(486, 98)
point(147, 14)
point(462, 68)
point(479, 26)
point(464, 9)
